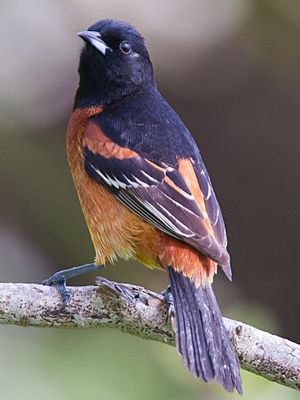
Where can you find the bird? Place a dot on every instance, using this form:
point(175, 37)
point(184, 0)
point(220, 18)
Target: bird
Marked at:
point(146, 194)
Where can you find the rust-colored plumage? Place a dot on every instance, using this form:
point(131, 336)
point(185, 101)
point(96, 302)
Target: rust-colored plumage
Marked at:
point(186, 169)
point(98, 143)
point(146, 194)
point(115, 230)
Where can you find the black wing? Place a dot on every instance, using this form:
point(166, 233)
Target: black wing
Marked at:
point(159, 194)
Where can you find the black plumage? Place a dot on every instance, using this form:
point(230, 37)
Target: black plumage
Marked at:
point(135, 117)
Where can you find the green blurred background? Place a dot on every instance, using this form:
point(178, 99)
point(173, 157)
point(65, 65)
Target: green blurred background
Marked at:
point(231, 69)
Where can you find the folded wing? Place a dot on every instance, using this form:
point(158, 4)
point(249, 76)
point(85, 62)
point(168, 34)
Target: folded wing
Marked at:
point(177, 200)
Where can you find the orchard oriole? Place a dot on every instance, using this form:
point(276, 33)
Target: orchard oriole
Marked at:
point(145, 192)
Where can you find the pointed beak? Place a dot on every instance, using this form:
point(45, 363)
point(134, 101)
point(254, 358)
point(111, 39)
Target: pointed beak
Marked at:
point(94, 38)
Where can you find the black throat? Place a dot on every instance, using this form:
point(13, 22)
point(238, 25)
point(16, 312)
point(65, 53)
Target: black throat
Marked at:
point(99, 85)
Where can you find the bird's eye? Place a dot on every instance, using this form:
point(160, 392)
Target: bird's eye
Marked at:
point(125, 47)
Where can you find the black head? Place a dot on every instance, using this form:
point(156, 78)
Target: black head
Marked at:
point(113, 64)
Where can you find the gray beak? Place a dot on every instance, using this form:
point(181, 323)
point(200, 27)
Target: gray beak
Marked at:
point(94, 38)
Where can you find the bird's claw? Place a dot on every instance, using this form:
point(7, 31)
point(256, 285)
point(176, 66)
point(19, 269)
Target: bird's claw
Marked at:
point(59, 281)
point(167, 293)
point(60, 278)
point(54, 279)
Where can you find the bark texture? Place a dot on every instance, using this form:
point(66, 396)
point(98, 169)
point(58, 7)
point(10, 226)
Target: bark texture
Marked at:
point(141, 312)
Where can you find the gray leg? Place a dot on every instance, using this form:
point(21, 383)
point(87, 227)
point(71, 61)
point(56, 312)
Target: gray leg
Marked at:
point(167, 293)
point(60, 278)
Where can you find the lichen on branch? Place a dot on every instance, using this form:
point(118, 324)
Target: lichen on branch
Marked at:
point(143, 313)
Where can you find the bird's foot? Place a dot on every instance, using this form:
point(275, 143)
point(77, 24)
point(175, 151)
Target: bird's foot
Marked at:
point(59, 279)
point(167, 293)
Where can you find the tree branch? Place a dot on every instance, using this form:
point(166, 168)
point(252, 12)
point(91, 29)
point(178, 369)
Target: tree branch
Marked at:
point(143, 313)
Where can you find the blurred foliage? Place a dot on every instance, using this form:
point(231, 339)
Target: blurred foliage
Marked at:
point(230, 67)
point(106, 364)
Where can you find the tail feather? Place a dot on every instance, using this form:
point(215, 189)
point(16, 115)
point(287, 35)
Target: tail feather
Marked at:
point(201, 336)
point(185, 324)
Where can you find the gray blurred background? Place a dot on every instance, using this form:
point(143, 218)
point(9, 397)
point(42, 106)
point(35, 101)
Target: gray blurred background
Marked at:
point(231, 69)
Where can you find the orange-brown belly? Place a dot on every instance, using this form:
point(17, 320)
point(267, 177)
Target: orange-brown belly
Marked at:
point(115, 230)
point(118, 232)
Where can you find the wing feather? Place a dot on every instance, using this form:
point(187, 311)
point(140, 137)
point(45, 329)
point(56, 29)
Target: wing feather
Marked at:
point(159, 194)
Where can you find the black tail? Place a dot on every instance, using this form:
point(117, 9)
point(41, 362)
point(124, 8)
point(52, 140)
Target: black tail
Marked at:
point(201, 337)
